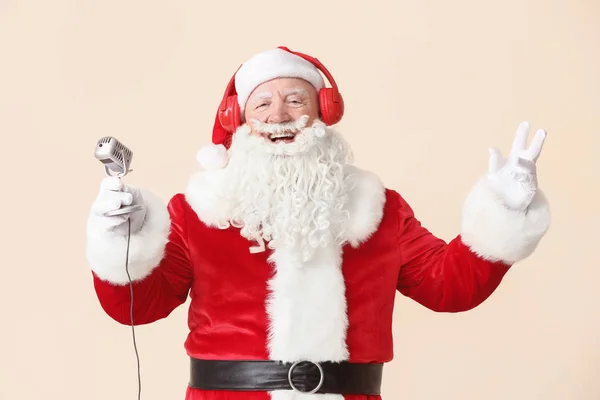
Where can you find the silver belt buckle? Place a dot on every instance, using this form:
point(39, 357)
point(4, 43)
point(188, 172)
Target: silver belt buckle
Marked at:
point(291, 370)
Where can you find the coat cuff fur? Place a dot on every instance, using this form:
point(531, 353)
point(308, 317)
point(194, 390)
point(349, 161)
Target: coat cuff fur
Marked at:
point(107, 251)
point(497, 233)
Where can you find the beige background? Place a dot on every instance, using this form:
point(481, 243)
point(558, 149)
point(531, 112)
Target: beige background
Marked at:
point(429, 86)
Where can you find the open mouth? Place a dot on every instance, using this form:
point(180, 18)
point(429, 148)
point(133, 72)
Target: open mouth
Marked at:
point(285, 137)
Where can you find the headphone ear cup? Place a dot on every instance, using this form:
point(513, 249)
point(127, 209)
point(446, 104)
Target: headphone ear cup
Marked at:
point(331, 111)
point(229, 116)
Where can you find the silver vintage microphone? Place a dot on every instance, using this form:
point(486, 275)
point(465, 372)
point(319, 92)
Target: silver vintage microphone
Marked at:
point(116, 157)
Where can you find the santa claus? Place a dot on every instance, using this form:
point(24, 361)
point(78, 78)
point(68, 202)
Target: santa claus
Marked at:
point(290, 254)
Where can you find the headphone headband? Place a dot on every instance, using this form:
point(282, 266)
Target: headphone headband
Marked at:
point(228, 91)
point(320, 67)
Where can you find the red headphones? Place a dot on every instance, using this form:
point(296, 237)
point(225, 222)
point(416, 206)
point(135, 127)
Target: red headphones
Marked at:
point(331, 103)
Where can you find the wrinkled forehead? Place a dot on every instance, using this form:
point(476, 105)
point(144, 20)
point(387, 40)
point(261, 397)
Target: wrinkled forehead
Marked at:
point(282, 87)
point(267, 94)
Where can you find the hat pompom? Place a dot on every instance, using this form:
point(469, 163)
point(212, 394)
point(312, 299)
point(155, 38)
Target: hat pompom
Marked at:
point(212, 156)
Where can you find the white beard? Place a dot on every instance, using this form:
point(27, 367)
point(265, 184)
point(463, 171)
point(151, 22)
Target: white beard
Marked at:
point(290, 195)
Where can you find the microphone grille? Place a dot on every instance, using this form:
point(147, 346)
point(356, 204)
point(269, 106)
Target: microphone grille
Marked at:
point(113, 154)
point(121, 149)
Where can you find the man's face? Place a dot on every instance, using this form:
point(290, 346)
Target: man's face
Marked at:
point(282, 100)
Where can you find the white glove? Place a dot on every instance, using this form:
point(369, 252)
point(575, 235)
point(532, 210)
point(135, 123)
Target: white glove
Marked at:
point(514, 179)
point(113, 194)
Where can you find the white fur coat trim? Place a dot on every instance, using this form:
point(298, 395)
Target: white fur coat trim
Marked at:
point(107, 251)
point(497, 233)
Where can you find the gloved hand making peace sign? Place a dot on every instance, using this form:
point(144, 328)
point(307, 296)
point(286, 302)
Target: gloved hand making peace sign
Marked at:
point(514, 178)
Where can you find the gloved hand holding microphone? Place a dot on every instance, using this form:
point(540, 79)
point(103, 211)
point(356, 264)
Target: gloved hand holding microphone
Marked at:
point(113, 196)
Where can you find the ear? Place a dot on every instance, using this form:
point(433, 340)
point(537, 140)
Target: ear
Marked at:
point(212, 156)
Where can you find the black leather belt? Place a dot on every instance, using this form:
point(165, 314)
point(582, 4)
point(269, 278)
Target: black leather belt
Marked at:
point(302, 376)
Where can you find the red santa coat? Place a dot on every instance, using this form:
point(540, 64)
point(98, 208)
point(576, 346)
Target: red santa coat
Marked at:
point(338, 306)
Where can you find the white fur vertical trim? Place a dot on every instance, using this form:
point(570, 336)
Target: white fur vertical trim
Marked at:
point(497, 233)
point(106, 251)
point(289, 395)
point(307, 312)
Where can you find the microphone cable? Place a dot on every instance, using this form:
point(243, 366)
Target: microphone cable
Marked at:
point(131, 307)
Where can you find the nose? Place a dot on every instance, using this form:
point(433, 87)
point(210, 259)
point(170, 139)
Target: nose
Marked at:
point(278, 114)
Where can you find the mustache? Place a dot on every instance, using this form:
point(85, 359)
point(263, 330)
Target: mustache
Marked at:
point(292, 126)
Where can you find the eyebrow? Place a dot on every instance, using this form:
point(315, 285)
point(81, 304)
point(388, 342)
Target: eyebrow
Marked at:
point(261, 96)
point(290, 92)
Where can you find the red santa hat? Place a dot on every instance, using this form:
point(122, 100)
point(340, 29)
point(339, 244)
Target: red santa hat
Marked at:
point(271, 64)
point(260, 68)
